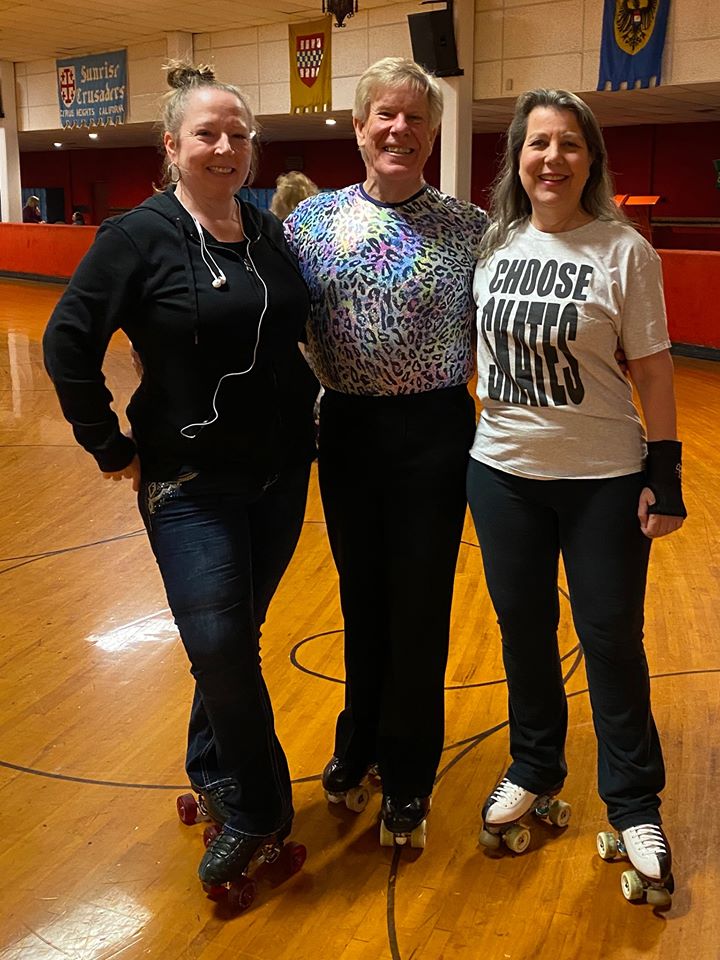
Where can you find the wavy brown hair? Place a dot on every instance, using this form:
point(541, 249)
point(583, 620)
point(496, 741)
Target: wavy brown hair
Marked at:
point(510, 205)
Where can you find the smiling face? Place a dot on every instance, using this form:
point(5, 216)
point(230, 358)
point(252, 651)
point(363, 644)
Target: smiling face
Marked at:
point(554, 166)
point(396, 140)
point(213, 148)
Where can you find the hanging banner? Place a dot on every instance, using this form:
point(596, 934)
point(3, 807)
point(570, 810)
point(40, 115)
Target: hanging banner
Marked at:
point(633, 38)
point(92, 91)
point(311, 66)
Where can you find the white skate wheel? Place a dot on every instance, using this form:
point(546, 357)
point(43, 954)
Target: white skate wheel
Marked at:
point(658, 897)
point(334, 797)
point(489, 840)
point(387, 838)
point(607, 845)
point(517, 838)
point(418, 836)
point(632, 885)
point(356, 799)
point(559, 813)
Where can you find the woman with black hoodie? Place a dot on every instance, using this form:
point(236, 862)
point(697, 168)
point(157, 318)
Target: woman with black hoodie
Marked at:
point(222, 432)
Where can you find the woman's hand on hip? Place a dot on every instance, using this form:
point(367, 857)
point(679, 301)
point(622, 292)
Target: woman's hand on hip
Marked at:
point(131, 472)
point(655, 525)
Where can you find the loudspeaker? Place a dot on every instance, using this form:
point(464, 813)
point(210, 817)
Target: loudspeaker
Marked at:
point(432, 36)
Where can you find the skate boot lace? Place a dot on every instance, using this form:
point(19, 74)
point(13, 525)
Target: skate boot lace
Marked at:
point(507, 794)
point(649, 838)
point(648, 850)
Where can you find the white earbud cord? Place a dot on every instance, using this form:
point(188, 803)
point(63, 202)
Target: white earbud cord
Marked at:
point(236, 373)
point(219, 278)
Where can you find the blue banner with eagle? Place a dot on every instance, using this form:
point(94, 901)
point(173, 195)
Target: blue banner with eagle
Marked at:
point(633, 38)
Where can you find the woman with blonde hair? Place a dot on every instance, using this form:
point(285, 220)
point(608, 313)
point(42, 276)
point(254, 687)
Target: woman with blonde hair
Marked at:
point(222, 437)
point(290, 190)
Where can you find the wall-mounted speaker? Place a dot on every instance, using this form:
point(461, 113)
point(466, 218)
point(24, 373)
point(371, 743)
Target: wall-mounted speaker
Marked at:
point(432, 36)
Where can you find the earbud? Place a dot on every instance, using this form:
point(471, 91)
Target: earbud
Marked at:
point(219, 281)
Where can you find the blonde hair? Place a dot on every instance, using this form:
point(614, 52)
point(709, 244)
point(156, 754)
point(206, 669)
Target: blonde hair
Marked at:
point(185, 79)
point(398, 72)
point(510, 205)
point(291, 189)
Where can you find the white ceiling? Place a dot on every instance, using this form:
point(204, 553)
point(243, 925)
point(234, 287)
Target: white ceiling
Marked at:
point(75, 27)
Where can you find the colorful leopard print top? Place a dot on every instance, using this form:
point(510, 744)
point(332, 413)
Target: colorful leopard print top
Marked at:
point(391, 289)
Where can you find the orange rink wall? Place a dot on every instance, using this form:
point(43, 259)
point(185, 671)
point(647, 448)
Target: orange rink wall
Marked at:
point(691, 277)
point(38, 250)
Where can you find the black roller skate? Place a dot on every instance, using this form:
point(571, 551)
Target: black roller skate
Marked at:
point(648, 850)
point(348, 783)
point(232, 858)
point(404, 819)
point(505, 808)
point(209, 805)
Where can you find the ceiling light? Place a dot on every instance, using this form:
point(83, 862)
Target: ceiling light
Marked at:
point(93, 136)
point(341, 9)
point(330, 122)
point(57, 143)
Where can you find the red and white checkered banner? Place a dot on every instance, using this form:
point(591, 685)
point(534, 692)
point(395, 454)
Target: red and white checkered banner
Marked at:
point(311, 66)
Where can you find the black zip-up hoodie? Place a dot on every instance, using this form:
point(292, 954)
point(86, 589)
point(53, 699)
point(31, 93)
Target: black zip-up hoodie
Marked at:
point(145, 274)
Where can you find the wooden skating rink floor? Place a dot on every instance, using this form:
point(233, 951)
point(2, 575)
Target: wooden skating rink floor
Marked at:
point(95, 691)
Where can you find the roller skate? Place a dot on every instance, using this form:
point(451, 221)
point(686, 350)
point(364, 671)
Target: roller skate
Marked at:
point(347, 783)
point(505, 808)
point(229, 869)
point(209, 805)
point(648, 850)
point(402, 820)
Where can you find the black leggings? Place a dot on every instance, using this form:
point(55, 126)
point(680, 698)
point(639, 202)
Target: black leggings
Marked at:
point(523, 526)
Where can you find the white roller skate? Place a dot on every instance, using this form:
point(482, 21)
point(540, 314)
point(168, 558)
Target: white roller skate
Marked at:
point(505, 808)
point(648, 850)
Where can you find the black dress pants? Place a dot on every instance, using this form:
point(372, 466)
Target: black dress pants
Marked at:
point(392, 484)
point(523, 526)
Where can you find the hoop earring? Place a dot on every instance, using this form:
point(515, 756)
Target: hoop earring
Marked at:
point(173, 168)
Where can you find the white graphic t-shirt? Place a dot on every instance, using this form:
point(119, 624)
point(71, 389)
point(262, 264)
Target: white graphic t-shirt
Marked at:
point(551, 310)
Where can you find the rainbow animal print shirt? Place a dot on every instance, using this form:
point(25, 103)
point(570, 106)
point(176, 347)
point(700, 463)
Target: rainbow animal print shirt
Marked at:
point(392, 306)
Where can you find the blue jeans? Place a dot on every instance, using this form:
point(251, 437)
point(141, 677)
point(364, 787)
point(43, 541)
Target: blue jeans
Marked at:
point(524, 526)
point(222, 545)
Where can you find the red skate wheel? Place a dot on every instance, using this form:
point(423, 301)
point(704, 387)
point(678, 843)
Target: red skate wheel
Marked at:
point(242, 893)
point(215, 893)
point(187, 808)
point(209, 833)
point(294, 856)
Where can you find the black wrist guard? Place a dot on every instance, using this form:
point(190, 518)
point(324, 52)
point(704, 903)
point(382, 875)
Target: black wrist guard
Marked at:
point(663, 474)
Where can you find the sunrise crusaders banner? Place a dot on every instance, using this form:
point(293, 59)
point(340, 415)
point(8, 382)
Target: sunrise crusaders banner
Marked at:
point(633, 37)
point(92, 91)
point(310, 66)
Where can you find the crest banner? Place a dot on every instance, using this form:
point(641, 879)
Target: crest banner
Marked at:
point(311, 66)
point(92, 91)
point(633, 38)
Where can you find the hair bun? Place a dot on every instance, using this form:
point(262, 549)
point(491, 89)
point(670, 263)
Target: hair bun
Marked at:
point(182, 73)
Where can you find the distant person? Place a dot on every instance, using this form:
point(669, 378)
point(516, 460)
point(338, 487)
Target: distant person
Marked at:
point(78, 220)
point(31, 211)
point(291, 189)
